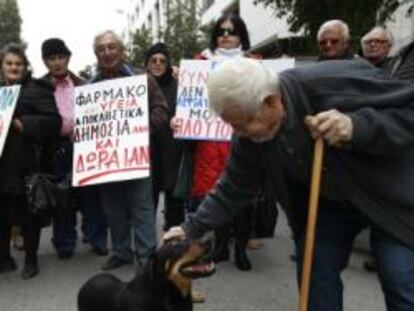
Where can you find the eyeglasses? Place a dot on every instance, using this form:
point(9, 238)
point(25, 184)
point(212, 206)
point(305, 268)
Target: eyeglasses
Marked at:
point(227, 32)
point(374, 41)
point(328, 41)
point(160, 60)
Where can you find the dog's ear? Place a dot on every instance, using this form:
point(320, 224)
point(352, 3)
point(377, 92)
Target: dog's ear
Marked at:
point(155, 266)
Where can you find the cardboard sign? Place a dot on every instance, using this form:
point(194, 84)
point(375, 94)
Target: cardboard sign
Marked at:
point(8, 100)
point(111, 131)
point(194, 118)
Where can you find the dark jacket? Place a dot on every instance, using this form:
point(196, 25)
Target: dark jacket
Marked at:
point(158, 109)
point(399, 59)
point(36, 109)
point(374, 174)
point(165, 150)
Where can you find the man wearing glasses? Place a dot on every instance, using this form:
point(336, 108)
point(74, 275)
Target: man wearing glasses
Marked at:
point(376, 45)
point(333, 40)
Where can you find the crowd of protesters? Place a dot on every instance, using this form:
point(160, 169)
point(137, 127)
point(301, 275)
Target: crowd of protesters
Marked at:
point(41, 139)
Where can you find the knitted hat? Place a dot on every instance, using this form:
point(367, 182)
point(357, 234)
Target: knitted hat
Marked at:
point(54, 46)
point(155, 49)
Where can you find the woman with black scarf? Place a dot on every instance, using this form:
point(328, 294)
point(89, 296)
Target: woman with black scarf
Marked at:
point(165, 150)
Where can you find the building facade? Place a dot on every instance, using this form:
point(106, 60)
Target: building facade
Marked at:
point(265, 30)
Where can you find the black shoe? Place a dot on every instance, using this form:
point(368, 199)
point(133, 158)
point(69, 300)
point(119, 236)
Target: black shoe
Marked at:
point(30, 270)
point(65, 254)
point(100, 251)
point(115, 262)
point(293, 257)
point(7, 265)
point(241, 258)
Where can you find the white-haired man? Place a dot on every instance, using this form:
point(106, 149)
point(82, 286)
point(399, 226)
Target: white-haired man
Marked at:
point(128, 205)
point(366, 119)
point(334, 40)
point(376, 45)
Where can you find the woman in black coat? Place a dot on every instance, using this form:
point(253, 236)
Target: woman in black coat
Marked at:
point(165, 150)
point(36, 123)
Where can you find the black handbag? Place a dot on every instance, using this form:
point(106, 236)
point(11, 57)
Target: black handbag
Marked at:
point(45, 193)
point(265, 214)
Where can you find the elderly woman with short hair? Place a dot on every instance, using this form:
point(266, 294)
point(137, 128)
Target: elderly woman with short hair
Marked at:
point(36, 122)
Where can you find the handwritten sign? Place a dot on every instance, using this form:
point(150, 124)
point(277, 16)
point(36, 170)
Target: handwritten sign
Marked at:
point(111, 131)
point(194, 118)
point(8, 100)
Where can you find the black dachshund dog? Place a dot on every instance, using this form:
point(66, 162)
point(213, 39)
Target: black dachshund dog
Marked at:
point(163, 285)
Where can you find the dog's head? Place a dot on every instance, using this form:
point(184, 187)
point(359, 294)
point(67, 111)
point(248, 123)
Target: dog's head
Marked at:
point(181, 261)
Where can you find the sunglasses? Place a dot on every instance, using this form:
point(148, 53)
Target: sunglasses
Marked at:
point(227, 32)
point(160, 60)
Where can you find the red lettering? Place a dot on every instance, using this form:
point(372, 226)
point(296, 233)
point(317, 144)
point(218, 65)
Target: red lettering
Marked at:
point(80, 165)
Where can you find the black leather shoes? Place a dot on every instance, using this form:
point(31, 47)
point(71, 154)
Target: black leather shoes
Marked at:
point(100, 251)
point(7, 264)
point(114, 262)
point(30, 270)
point(241, 258)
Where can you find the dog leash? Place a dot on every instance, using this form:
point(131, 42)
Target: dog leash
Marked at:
point(311, 225)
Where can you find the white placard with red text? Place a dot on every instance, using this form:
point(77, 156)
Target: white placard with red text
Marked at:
point(194, 119)
point(8, 100)
point(111, 131)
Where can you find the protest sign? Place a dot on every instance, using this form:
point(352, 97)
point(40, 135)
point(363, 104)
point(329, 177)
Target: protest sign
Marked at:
point(8, 100)
point(194, 119)
point(111, 131)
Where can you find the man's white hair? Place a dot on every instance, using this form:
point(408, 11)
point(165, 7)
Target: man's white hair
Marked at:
point(385, 31)
point(110, 33)
point(241, 82)
point(334, 23)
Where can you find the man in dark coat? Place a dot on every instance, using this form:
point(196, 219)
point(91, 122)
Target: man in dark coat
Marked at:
point(334, 40)
point(165, 150)
point(376, 45)
point(367, 120)
point(128, 205)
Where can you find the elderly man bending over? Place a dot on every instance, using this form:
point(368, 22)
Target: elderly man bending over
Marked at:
point(367, 120)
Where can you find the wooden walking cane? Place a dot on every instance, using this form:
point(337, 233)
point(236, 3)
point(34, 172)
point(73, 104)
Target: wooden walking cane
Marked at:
point(310, 230)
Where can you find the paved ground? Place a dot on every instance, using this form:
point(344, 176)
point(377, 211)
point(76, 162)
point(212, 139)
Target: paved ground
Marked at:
point(270, 286)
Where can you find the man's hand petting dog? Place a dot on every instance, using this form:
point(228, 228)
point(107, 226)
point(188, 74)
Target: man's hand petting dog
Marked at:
point(175, 233)
point(163, 285)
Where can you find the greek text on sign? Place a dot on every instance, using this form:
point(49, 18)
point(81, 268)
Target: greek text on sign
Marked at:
point(111, 131)
point(193, 116)
point(8, 100)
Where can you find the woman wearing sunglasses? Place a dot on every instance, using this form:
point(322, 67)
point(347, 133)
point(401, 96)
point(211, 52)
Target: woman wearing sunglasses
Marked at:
point(229, 39)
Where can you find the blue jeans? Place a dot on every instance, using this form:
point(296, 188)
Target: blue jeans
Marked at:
point(336, 230)
point(64, 221)
point(128, 206)
point(94, 226)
